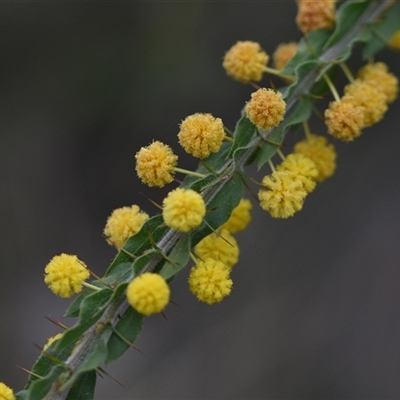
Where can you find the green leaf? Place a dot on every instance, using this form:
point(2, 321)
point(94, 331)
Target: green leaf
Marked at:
point(244, 131)
point(40, 387)
point(121, 273)
point(382, 31)
point(179, 256)
point(129, 327)
point(83, 388)
point(140, 242)
point(91, 310)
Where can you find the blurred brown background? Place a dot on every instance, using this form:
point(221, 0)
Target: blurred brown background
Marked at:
point(314, 313)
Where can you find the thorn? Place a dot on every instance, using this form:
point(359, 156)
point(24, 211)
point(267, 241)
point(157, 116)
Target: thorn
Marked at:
point(174, 303)
point(28, 371)
point(56, 322)
point(109, 376)
point(151, 201)
point(164, 316)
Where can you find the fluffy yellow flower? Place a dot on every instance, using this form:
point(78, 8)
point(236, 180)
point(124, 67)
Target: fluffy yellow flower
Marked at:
point(315, 14)
point(394, 41)
point(321, 152)
point(302, 167)
point(365, 95)
point(201, 134)
point(50, 341)
point(245, 61)
point(239, 218)
point(148, 293)
point(345, 119)
point(283, 194)
point(155, 164)
point(209, 281)
point(283, 53)
point(378, 75)
point(64, 275)
point(266, 108)
point(183, 209)
point(221, 246)
point(123, 223)
point(6, 393)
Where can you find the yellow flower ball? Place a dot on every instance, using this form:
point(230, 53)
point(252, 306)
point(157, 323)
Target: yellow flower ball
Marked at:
point(51, 340)
point(303, 168)
point(155, 164)
point(201, 134)
point(6, 393)
point(148, 293)
point(266, 108)
point(283, 53)
point(239, 218)
point(64, 275)
point(220, 246)
point(245, 61)
point(283, 194)
point(123, 223)
point(394, 41)
point(315, 14)
point(378, 75)
point(209, 281)
point(183, 209)
point(321, 152)
point(345, 119)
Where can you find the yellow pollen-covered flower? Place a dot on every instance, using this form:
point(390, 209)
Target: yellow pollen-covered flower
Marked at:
point(283, 53)
point(201, 134)
point(394, 41)
point(50, 341)
point(64, 275)
point(315, 14)
point(345, 119)
point(302, 167)
point(123, 223)
point(245, 61)
point(321, 152)
point(148, 293)
point(6, 393)
point(220, 246)
point(209, 281)
point(266, 108)
point(155, 164)
point(239, 218)
point(283, 194)
point(378, 76)
point(365, 95)
point(183, 209)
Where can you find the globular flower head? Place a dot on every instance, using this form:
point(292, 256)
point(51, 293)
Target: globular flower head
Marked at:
point(148, 293)
point(302, 167)
point(283, 53)
point(282, 195)
point(315, 14)
point(394, 41)
point(266, 108)
point(123, 223)
point(345, 119)
point(6, 393)
point(201, 134)
point(183, 209)
point(50, 341)
point(239, 218)
point(220, 246)
point(378, 75)
point(363, 94)
point(209, 281)
point(245, 61)
point(323, 154)
point(155, 164)
point(64, 275)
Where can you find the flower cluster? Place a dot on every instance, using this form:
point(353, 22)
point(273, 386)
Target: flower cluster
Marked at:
point(315, 14)
point(6, 393)
point(364, 103)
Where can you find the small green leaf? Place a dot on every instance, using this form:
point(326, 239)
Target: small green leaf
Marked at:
point(128, 327)
point(121, 273)
point(179, 256)
point(83, 388)
point(244, 131)
point(40, 387)
point(91, 310)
